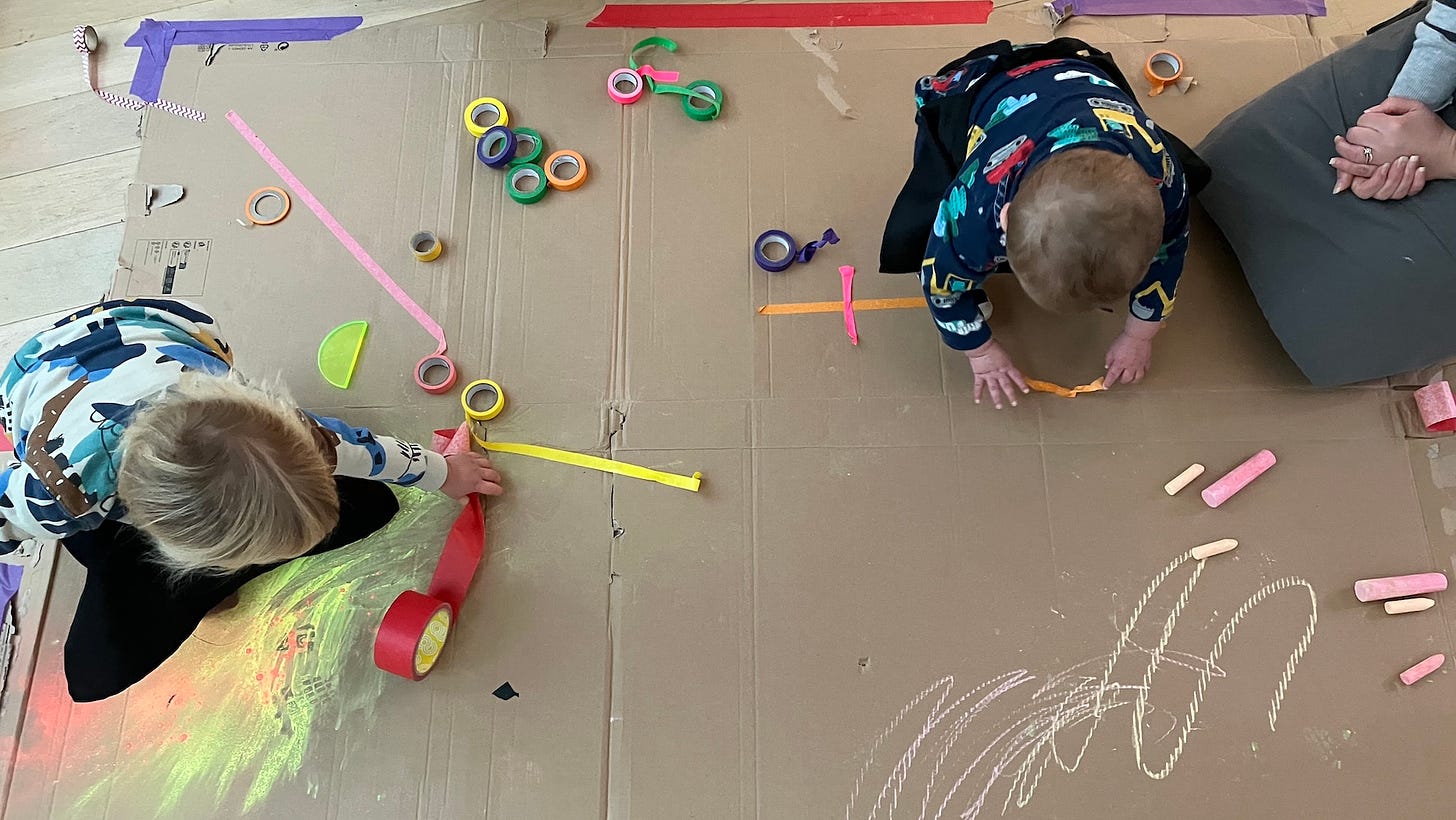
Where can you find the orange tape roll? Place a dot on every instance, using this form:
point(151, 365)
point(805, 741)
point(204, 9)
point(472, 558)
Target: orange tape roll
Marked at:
point(565, 161)
point(258, 197)
point(1162, 69)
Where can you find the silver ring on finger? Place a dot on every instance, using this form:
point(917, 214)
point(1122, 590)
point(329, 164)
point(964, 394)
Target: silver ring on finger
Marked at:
point(1369, 155)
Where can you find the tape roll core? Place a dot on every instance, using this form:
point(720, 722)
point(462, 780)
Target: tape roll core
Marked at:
point(426, 246)
point(93, 40)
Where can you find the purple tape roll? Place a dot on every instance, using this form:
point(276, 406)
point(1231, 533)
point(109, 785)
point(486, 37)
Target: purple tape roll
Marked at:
point(496, 147)
point(774, 239)
point(810, 248)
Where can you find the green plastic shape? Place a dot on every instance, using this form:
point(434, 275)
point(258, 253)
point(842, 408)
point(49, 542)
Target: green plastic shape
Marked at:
point(339, 353)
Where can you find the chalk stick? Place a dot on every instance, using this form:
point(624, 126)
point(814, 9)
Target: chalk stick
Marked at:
point(1238, 478)
point(1422, 669)
point(1408, 605)
point(1437, 407)
point(1399, 586)
point(1214, 548)
point(1183, 479)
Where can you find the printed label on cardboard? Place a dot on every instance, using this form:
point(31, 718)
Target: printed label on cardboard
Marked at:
point(169, 267)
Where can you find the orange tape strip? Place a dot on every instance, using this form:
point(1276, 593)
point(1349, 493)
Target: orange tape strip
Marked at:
point(1065, 392)
point(787, 308)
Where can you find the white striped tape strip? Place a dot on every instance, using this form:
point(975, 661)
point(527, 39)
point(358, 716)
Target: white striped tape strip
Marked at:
point(88, 65)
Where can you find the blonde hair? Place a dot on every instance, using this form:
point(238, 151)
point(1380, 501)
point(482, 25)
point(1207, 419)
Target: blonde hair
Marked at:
point(1082, 229)
point(223, 475)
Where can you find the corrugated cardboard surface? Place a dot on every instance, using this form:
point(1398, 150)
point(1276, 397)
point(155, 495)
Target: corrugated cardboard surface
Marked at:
point(865, 532)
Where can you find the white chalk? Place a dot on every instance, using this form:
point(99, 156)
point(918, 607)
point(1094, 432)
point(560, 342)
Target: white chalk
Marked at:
point(1183, 479)
point(1408, 605)
point(1214, 548)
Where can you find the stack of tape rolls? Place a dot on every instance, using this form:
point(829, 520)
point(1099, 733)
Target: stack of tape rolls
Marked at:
point(702, 100)
point(518, 150)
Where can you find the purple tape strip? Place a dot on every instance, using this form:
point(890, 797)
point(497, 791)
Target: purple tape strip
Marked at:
point(156, 38)
point(807, 252)
point(1241, 8)
point(9, 583)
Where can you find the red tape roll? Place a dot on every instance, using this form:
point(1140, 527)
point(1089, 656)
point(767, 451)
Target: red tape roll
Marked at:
point(416, 625)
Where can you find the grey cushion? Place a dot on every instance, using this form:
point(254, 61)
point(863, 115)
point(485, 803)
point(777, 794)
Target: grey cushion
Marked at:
point(1354, 289)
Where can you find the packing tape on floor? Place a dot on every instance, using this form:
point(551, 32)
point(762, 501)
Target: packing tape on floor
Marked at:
point(417, 625)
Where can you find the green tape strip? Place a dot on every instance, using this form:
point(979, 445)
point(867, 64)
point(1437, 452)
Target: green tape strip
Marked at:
point(648, 43)
point(526, 169)
point(537, 146)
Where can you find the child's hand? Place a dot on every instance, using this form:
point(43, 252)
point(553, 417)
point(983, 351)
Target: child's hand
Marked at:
point(470, 473)
point(996, 373)
point(1131, 354)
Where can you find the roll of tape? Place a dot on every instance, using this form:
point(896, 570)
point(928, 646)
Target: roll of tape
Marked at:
point(414, 630)
point(528, 137)
point(774, 239)
point(426, 246)
point(704, 101)
point(496, 147)
point(521, 176)
point(258, 197)
point(435, 374)
point(485, 105)
point(482, 400)
point(1162, 69)
point(625, 86)
point(565, 170)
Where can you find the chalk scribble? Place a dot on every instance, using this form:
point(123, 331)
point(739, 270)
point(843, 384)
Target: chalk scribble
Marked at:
point(961, 754)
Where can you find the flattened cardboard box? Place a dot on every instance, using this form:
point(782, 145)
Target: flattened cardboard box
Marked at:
point(882, 587)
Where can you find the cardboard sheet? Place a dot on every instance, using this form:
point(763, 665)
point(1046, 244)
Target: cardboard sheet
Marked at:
point(878, 579)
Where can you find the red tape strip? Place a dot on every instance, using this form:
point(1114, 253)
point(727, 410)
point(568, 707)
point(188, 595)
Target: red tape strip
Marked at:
point(407, 636)
point(792, 15)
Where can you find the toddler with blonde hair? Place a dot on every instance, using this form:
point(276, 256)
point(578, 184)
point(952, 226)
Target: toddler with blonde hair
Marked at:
point(174, 481)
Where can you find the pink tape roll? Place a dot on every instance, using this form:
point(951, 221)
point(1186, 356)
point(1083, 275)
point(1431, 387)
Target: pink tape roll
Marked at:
point(1437, 407)
point(1238, 478)
point(432, 363)
point(625, 76)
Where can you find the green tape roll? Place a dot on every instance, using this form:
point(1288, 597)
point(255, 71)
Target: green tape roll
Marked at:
point(519, 176)
point(703, 100)
point(650, 42)
point(531, 136)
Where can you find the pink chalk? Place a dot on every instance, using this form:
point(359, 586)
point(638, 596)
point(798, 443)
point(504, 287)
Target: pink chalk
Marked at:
point(1399, 586)
point(1422, 669)
point(1437, 407)
point(1238, 478)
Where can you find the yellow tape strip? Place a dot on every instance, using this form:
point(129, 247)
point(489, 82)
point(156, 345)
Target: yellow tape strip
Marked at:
point(1065, 392)
point(838, 307)
point(605, 465)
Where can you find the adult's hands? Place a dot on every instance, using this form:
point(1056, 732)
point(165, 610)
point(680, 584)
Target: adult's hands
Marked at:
point(1408, 146)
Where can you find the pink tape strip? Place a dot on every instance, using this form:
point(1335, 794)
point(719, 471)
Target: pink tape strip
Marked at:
point(349, 242)
point(846, 275)
point(659, 76)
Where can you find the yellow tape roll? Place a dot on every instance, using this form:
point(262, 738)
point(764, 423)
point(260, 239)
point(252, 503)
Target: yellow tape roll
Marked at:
point(606, 465)
point(482, 389)
point(485, 104)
